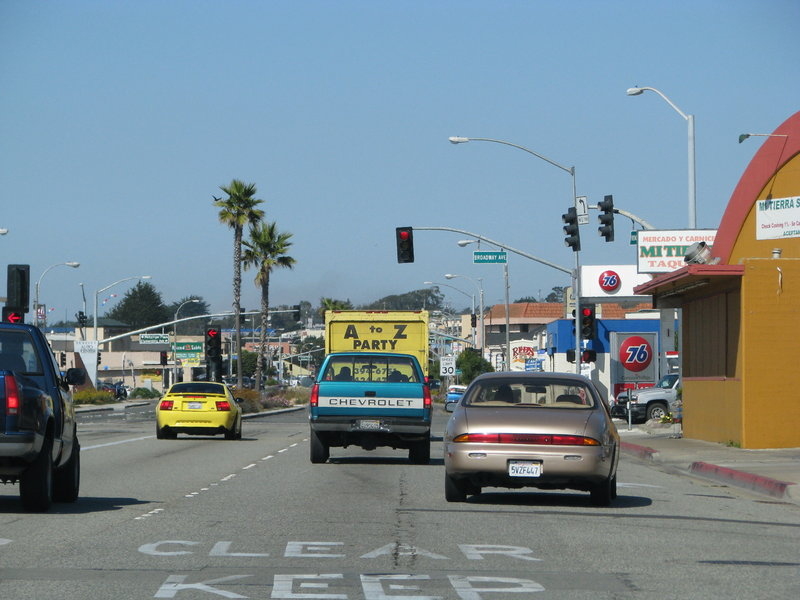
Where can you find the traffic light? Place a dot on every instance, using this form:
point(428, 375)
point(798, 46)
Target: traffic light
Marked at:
point(296, 313)
point(63, 359)
point(13, 315)
point(213, 345)
point(606, 218)
point(405, 244)
point(163, 358)
point(473, 320)
point(18, 287)
point(571, 231)
point(588, 356)
point(588, 324)
point(99, 357)
point(81, 318)
point(571, 355)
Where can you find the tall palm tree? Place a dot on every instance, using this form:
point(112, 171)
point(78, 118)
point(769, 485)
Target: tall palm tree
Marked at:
point(236, 211)
point(265, 250)
point(333, 304)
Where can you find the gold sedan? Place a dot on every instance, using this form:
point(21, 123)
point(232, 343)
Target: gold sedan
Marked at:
point(541, 430)
point(198, 408)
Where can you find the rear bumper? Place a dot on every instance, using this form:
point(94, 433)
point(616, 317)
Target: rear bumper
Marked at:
point(17, 450)
point(395, 432)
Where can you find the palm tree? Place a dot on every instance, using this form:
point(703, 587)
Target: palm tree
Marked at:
point(236, 211)
point(333, 304)
point(265, 250)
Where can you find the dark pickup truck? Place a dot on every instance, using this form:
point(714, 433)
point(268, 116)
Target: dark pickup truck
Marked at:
point(39, 446)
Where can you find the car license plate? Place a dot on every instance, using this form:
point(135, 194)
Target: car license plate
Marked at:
point(369, 424)
point(524, 468)
point(195, 405)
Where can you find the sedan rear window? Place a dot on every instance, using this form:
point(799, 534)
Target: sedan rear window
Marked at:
point(198, 387)
point(549, 393)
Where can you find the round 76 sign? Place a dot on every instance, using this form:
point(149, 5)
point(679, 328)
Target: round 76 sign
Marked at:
point(635, 357)
point(447, 366)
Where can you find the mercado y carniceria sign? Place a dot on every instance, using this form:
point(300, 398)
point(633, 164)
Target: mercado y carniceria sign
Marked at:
point(662, 251)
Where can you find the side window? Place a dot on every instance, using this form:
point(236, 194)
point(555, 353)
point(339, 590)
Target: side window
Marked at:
point(401, 370)
point(339, 370)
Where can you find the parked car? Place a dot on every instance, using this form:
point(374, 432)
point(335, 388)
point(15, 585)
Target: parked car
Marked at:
point(648, 403)
point(526, 429)
point(199, 408)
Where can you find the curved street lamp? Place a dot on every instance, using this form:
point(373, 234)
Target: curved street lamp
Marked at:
point(470, 296)
point(71, 263)
point(637, 91)
point(175, 329)
point(101, 290)
point(576, 274)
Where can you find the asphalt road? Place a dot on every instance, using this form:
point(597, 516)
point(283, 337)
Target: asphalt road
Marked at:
point(208, 518)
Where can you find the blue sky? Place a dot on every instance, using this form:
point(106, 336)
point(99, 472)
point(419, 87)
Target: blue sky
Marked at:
point(120, 120)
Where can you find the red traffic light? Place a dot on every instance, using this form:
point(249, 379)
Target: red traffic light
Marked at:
point(212, 333)
point(11, 315)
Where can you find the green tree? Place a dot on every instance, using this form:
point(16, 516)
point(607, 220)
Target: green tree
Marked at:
point(425, 298)
point(557, 295)
point(141, 307)
point(236, 211)
point(312, 347)
point(265, 250)
point(472, 364)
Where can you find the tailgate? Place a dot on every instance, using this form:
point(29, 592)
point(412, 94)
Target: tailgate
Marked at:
point(356, 398)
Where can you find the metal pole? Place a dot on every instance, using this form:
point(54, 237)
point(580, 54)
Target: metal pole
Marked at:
point(507, 360)
point(692, 176)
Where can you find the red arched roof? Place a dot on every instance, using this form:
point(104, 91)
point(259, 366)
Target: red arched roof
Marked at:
point(773, 154)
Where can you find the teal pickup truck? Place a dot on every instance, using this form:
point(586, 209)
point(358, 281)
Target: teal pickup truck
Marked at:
point(370, 400)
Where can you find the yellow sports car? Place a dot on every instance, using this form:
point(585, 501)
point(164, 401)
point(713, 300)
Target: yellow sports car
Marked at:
point(198, 408)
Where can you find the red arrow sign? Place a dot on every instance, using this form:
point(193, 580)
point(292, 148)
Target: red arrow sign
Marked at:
point(12, 317)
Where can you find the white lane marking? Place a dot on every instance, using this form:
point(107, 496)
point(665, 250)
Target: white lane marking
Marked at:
point(139, 439)
point(633, 485)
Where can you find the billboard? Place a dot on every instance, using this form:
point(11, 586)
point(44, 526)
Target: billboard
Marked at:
point(662, 251)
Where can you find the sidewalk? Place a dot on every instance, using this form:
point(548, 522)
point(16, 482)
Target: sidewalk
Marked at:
point(771, 472)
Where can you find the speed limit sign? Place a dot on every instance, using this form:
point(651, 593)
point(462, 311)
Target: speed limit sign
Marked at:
point(447, 366)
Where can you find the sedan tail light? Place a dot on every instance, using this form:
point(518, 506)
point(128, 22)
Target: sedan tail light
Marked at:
point(540, 439)
point(166, 405)
point(223, 405)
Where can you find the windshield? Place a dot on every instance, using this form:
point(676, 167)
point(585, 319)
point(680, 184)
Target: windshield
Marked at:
point(548, 393)
point(667, 381)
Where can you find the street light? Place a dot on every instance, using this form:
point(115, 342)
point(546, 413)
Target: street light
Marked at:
point(101, 290)
point(174, 357)
point(72, 264)
point(507, 360)
point(470, 296)
point(576, 275)
point(479, 285)
point(636, 91)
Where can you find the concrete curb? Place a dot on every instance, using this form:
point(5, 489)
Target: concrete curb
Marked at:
point(756, 483)
point(750, 481)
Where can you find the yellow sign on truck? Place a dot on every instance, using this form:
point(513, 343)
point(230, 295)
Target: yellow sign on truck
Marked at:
point(400, 331)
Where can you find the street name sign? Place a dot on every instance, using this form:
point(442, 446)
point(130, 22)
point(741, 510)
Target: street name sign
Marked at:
point(485, 257)
point(154, 338)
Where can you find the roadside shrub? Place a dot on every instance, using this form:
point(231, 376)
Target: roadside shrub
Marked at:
point(250, 400)
point(90, 396)
point(141, 392)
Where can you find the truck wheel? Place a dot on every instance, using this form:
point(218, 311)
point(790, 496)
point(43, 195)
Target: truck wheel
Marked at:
point(36, 482)
point(319, 451)
point(420, 453)
point(656, 411)
point(67, 479)
point(454, 489)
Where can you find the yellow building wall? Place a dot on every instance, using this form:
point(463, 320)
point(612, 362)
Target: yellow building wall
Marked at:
point(712, 410)
point(770, 321)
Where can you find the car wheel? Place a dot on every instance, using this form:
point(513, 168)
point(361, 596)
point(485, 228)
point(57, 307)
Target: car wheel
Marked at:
point(239, 431)
point(319, 451)
point(603, 493)
point(67, 479)
point(36, 482)
point(163, 434)
point(455, 490)
point(656, 411)
point(420, 453)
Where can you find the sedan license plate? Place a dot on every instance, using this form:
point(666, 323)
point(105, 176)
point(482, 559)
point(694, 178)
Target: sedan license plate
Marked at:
point(369, 424)
point(195, 405)
point(524, 468)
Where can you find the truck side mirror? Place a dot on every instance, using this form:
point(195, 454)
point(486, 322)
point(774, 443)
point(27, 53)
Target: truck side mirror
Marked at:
point(75, 376)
